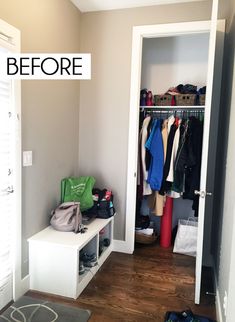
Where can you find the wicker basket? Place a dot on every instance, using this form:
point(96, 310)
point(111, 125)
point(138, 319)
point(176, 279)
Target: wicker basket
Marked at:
point(202, 99)
point(186, 99)
point(145, 239)
point(162, 100)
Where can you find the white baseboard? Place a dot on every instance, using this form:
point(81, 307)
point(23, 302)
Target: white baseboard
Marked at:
point(218, 306)
point(24, 287)
point(121, 246)
point(21, 286)
point(25, 284)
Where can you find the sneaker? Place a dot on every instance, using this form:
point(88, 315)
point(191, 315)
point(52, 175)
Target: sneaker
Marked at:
point(89, 260)
point(86, 256)
point(81, 268)
point(106, 242)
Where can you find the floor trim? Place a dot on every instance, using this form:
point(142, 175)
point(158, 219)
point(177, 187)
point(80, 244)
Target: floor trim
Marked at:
point(24, 287)
point(121, 246)
point(218, 306)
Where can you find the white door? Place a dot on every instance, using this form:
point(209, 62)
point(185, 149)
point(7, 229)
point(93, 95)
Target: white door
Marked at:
point(155, 31)
point(10, 174)
point(6, 193)
point(205, 148)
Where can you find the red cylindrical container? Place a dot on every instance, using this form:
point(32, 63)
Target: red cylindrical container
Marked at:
point(166, 223)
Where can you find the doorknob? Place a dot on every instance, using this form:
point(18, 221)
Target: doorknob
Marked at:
point(202, 194)
point(8, 190)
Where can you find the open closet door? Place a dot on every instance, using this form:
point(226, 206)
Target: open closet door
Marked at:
point(203, 193)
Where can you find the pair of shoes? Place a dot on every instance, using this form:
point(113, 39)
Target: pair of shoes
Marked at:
point(102, 244)
point(105, 242)
point(81, 268)
point(89, 260)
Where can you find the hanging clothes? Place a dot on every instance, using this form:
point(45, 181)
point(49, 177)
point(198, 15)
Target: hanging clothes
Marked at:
point(148, 154)
point(170, 160)
point(140, 170)
point(170, 177)
point(188, 161)
point(192, 171)
point(156, 201)
point(155, 145)
point(164, 137)
point(165, 186)
point(175, 145)
point(181, 160)
point(146, 187)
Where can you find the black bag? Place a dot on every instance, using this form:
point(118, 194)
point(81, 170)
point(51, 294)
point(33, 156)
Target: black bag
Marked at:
point(103, 204)
point(185, 316)
point(142, 222)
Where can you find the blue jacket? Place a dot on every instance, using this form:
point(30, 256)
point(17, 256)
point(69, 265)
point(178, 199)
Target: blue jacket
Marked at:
point(155, 146)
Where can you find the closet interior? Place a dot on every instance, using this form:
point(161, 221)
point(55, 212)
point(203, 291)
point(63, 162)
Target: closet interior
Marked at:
point(169, 166)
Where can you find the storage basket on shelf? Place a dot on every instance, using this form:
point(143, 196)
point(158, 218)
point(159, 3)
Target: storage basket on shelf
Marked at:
point(162, 100)
point(202, 99)
point(185, 99)
point(141, 238)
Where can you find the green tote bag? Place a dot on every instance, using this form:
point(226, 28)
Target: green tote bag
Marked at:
point(79, 190)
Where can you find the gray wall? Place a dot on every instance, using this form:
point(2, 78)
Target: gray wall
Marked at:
point(49, 108)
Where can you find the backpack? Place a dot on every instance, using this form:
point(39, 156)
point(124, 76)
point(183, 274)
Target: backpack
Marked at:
point(185, 316)
point(67, 217)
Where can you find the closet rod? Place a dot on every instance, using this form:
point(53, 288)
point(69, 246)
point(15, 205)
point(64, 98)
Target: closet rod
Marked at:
point(175, 110)
point(170, 108)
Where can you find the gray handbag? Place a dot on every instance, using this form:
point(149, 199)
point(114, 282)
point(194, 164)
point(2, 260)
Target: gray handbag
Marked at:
point(67, 217)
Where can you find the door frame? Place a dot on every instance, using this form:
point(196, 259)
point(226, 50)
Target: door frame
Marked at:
point(157, 31)
point(10, 38)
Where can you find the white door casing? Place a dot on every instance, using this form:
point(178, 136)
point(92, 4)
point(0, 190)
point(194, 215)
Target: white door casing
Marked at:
point(155, 31)
point(140, 32)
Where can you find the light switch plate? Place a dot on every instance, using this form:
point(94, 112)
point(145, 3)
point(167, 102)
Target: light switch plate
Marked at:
point(27, 158)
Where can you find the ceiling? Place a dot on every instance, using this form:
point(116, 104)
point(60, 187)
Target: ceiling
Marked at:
point(98, 5)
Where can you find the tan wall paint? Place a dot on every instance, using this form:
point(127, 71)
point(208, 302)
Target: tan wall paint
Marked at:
point(104, 101)
point(49, 108)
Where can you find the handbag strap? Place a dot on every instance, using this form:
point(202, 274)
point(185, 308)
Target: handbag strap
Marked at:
point(78, 219)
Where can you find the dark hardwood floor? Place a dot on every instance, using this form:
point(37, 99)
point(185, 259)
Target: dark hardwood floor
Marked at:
point(141, 287)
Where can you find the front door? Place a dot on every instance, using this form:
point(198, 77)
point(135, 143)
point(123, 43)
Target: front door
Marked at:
point(10, 174)
point(6, 192)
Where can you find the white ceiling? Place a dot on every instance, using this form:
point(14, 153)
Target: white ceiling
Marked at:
point(97, 5)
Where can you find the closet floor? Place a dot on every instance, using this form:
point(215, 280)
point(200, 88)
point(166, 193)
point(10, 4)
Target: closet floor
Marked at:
point(141, 287)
